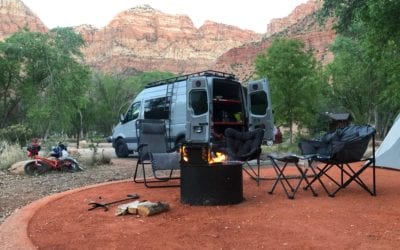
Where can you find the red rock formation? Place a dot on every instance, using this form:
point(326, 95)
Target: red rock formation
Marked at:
point(279, 24)
point(146, 39)
point(14, 16)
point(240, 61)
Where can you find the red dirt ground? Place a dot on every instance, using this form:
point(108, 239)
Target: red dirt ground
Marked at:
point(352, 220)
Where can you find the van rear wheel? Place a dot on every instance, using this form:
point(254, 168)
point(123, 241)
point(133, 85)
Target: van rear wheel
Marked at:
point(121, 149)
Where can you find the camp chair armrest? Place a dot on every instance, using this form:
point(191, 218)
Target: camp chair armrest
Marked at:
point(141, 146)
point(254, 153)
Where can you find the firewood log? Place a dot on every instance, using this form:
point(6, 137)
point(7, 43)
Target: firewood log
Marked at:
point(152, 208)
point(128, 208)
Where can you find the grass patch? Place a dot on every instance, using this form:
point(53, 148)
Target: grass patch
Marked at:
point(10, 153)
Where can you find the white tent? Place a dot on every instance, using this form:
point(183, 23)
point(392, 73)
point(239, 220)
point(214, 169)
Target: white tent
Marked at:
point(388, 153)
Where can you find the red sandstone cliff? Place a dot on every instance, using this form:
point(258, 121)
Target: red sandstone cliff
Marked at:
point(145, 39)
point(15, 15)
point(300, 12)
point(318, 38)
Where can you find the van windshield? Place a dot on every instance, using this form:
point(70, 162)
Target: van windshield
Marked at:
point(133, 112)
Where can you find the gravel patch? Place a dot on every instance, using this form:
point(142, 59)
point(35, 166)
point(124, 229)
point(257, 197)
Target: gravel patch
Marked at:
point(17, 191)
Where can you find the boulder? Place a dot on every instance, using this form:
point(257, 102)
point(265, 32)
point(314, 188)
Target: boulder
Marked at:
point(18, 168)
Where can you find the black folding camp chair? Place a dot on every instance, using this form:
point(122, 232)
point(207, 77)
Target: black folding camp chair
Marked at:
point(338, 150)
point(153, 152)
point(245, 146)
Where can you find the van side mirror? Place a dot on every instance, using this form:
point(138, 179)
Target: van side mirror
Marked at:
point(121, 118)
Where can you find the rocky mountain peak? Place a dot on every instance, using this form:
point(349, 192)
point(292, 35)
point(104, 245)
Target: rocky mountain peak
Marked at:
point(298, 25)
point(145, 39)
point(15, 15)
point(143, 7)
point(300, 12)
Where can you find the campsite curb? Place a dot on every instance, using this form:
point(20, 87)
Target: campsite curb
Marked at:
point(14, 230)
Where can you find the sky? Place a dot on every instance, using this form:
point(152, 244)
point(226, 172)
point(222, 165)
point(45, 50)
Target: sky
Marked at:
point(245, 14)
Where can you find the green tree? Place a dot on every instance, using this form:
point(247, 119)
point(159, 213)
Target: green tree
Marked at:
point(380, 17)
point(292, 73)
point(23, 74)
point(43, 83)
point(110, 96)
point(68, 79)
point(368, 51)
point(352, 79)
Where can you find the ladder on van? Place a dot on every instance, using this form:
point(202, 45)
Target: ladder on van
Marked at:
point(169, 93)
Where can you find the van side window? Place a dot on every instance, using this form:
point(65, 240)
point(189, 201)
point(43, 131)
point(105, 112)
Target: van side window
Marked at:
point(157, 108)
point(259, 103)
point(133, 112)
point(198, 101)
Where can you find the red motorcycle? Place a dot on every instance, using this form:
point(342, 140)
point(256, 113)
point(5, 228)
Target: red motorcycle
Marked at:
point(60, 162)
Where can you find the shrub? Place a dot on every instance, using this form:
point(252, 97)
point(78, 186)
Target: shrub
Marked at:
point(52, 141)
point(103, 159)
point(10, 153)
point(96, 157)
point(17, 133)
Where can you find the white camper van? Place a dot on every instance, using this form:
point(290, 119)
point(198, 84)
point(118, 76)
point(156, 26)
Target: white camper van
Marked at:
point(197, 108)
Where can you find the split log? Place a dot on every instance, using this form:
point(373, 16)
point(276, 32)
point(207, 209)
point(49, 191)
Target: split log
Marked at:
point(152, 208)
point(132, 207)
point(128, 208)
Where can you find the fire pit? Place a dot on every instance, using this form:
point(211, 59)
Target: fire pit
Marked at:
point(206, 182)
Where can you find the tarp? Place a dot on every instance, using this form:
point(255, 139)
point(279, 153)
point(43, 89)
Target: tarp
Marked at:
point(388, 153)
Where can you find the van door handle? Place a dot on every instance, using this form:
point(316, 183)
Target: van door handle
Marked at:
point(203, 123)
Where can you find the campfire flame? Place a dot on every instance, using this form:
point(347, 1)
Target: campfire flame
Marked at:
point(184, 154)
point(218, 157)
point(207, 155)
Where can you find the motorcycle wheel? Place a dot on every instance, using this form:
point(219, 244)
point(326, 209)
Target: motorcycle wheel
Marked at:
point(70, 165)
point(35, 169)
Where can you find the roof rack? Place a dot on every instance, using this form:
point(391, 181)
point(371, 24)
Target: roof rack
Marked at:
point(185, 77)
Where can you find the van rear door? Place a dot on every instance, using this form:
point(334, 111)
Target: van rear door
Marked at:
point(259, 108)
point(197, 112)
